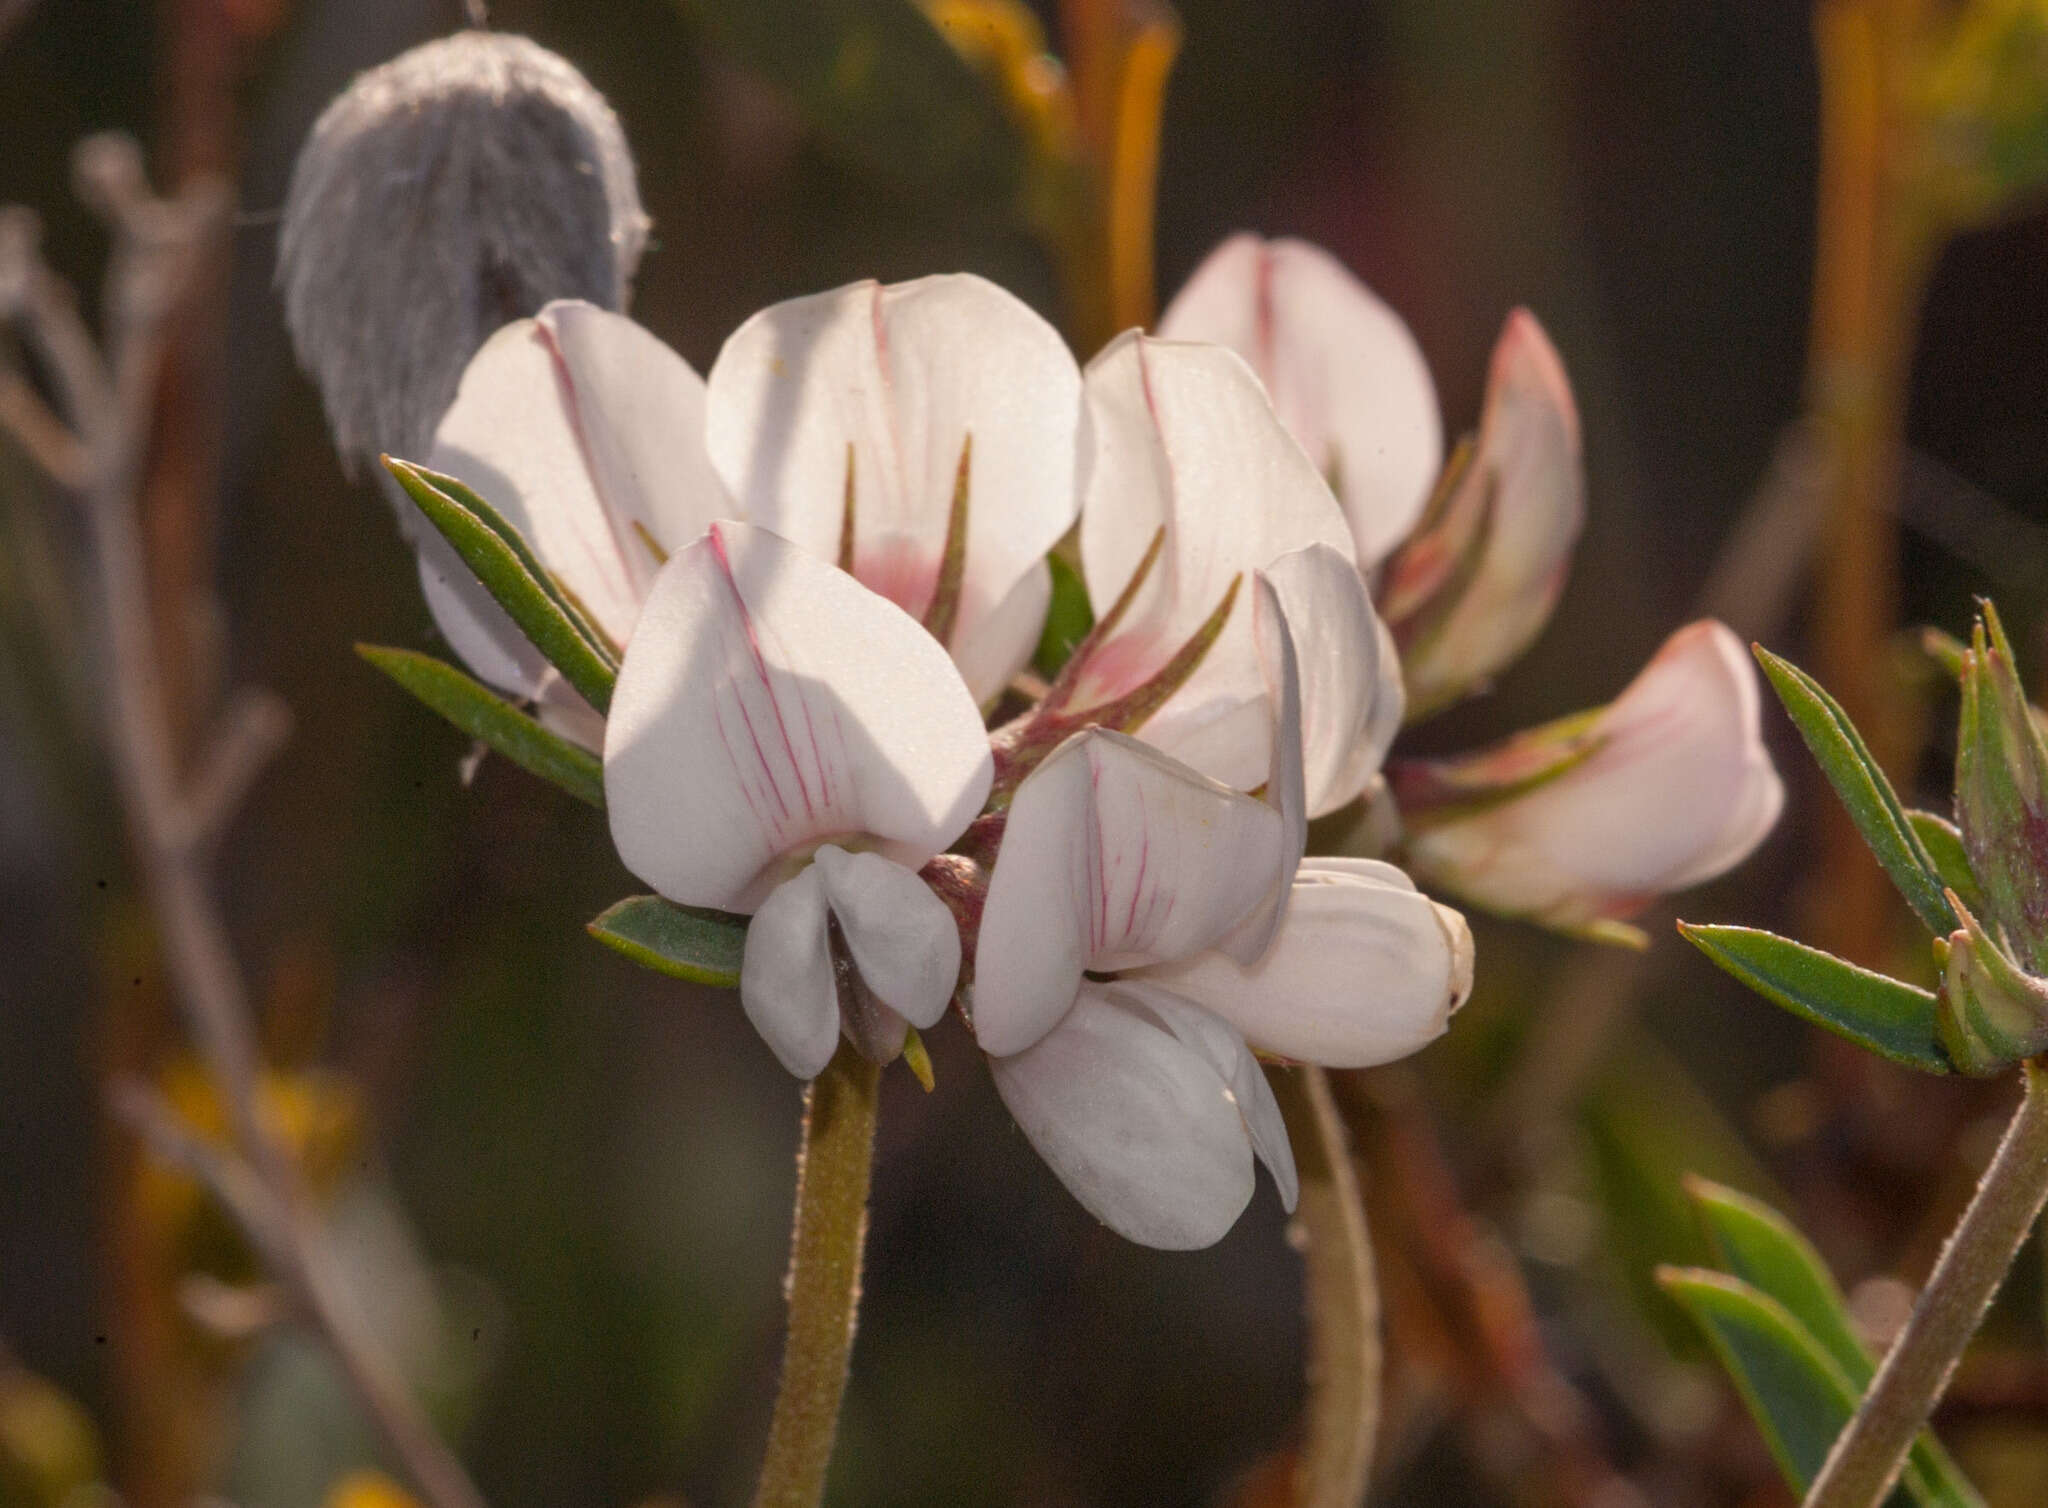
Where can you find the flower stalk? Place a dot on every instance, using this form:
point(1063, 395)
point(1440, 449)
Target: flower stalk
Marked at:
point(1341, 1296)
point(1867, 1458)
point(834, 1161)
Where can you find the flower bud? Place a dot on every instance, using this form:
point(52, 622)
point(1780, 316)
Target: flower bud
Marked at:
point(2002, 792)
point(1580, 824)
point(1991, 1013)
point(456, 188)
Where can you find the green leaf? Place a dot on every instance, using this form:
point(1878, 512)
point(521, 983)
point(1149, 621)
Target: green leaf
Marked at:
point(481, 713)
point(1757, 1244)
point(1761, 1248)
point(1863, 788)
point(511, 573)
point(1892, 1019)
point(1943, 841)
point(685, 941)
point(1792, 1387)
point(1067, 620)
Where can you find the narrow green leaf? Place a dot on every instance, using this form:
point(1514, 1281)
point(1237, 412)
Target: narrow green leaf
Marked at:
point(481, 713)
point(1863, 788)
point(512, 574)
point(690, 943)
point(1792, 1387)
point(1892, 1019)
point(1757, 1244)
point(1067, 619)
point(1760, 1247)
point(1943, 841)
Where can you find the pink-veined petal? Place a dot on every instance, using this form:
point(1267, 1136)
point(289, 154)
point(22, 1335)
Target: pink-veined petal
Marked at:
point(902, 938)
point(1114, 856)
point(1138, 1124)
point(769, 702)
point(894, 382)
point(1345, 375)
point(1181, 437)
point(583, 430)
point(786, 983)
point(1528, 454)
point(1351, 695)
point(1365, 970)
point(1678, 789)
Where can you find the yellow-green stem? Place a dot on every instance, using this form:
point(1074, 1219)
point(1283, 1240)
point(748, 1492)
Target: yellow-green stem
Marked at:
point(1340, 1294)
point(834, 1161)
point(1865, 1461)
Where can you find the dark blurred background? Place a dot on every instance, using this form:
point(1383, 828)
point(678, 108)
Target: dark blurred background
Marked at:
point(594, 1163)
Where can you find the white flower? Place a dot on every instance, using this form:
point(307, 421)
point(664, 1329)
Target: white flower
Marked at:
point(1524, 486)
point(585, 432)
point(771, 712)
point(1667, 786)
point(1181, 449)
point(1142, 1091)
point(872, 425)
point(1344, 374)
point(1347, 380)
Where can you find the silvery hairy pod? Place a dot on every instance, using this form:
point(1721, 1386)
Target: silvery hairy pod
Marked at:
point(458, 187)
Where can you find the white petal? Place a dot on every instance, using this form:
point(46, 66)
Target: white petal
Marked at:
point(1114, 856)
point(576, 426)
point(1528, 453)
point(1137, 1124)
point(1679, 790)
point(1235, 1063)
point(993, 650)
point(1351, 695)
point(1345, 375)
point(1181, 437)
point(894, 382)
point(1365, 970)
point(902, 937)
point(770, 702)
point(786, 983)
point(1284, 790)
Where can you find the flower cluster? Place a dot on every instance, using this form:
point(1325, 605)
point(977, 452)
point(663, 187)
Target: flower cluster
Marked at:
point(824, 571)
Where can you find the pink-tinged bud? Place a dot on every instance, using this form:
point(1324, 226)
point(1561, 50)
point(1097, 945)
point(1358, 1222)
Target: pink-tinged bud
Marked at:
point(1582, 823)
point(2002, 792)
point(1475, 585)
point(454, 189)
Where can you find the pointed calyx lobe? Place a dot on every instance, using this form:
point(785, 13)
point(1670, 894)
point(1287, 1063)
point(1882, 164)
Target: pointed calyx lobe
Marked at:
point(920, 433)
point(1176, 439)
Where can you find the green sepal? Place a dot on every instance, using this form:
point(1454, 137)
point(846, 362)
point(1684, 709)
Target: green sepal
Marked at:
point(1067, 619)
point(687, 942)
point(483, 714)
point(1873, 805)
point(1893, 1019)
point(2002, 791)
point(508, 569)
point(1793, 1388)
point(1762, 1248)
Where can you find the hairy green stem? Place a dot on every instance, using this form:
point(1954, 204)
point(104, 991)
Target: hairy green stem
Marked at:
point(1865, 1461)
point(1340, 1294)
point(834, 1160)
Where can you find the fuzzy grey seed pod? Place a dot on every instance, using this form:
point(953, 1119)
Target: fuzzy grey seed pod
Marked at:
point(454, 189)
